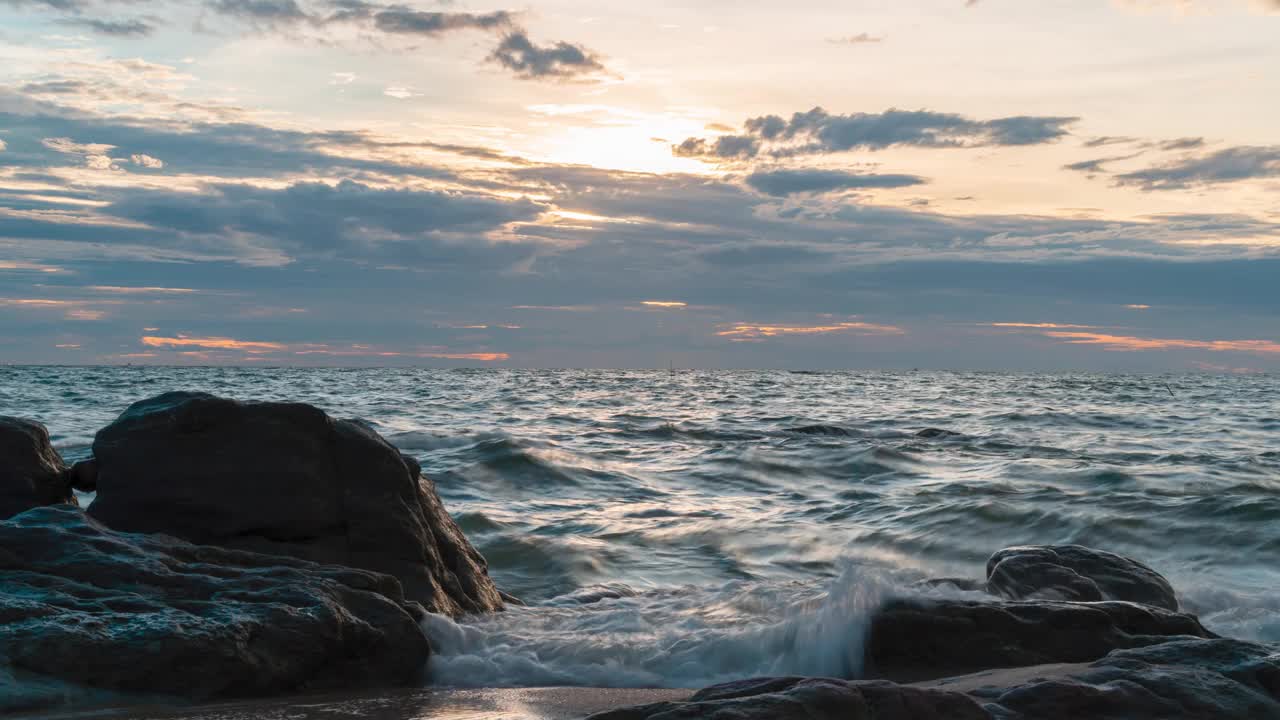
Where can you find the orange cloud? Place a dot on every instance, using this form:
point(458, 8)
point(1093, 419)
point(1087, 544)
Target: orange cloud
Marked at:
point(482, 357)
point(211, 343)
point(757, 332)
point(1041, 326)
point(75, 310)
point(121, 290)
point(36, 267)
point(1125, 343)
point(664, 304)
point(1138, 307)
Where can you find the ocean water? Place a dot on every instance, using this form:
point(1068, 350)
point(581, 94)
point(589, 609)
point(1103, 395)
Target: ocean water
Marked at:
point(678, 529)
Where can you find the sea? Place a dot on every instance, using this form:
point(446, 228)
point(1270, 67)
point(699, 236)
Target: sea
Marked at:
point(681, 528)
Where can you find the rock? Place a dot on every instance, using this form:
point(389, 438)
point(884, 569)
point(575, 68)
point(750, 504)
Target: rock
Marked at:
point(83, 476)
point(911, 640)
point(1073, 572)
point(92, 614)
point(32, 473)
point(1184, 679)
point(1181, 680)
point(285, 478)
point(810, 699)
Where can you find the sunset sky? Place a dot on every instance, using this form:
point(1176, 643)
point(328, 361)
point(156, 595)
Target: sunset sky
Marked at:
point(1000, 184)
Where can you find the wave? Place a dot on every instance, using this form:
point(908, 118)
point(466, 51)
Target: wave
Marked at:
point(678, 638)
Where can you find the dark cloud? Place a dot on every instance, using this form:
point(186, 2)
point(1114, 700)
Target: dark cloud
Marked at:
point(788, 182)
point(560, 60)
point(348, 219)
point(1224, 166)
point(1109, 140)
point(62, 5)
point(261, 12)
point(725, 147)
point(415, 22)
point(1096, 166)
point(230, 150)
point(1187, 143)
point(817, 131)
point(118, 28)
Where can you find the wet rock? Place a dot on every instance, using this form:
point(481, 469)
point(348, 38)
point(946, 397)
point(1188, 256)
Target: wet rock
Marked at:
point(911, 640)
point(285, 478)
point(32, 473)
point(83, 476)
point(1073, 572)
point(90, 614)
point(1181, 680)
point(810, 699)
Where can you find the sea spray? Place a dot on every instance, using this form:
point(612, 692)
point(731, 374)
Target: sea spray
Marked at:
point(679, 637)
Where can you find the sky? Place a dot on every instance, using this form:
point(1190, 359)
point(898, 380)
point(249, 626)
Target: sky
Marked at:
point(969, 184)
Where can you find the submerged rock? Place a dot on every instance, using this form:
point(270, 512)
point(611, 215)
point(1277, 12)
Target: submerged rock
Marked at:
point(32, 473)
point(285, 478)
point(911, 640)
point(1073, 572)
point(90, 614)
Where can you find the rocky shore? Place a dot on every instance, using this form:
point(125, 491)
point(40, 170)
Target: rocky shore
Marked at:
point(253, 550)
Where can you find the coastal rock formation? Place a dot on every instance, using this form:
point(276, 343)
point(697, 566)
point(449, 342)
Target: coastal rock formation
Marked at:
point(809, 699)
point(285, 478)
point(1134, 658)
point(912, 640)
point(1209, 679)
point(1187, 679)
point(32, 473)
point(1072, 572)
point(89, 614)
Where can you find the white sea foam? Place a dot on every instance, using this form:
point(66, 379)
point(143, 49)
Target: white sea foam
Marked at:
point(685, 637)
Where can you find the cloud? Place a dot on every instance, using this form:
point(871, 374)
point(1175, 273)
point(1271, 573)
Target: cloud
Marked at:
point(859, 39)
point(1229, 165)
point(752, 332)
point(3, 146)
point(529, 61)
point(344, 220)
point(780, 183)
point(1126, 343)
point(123, 290)
point(211, 343)
point(664, 304)
point(1095, 166)
point(71, 309)
point(817, 131)
point(1040, 326)
point(404, 21)
point(118, 28)
point(265, 12)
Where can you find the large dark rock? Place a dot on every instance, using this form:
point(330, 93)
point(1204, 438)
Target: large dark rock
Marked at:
point(285, 478)
point(90, 614)
point(809, 699)
point(912, 640)
point(1184, 680)
point(1187, 679)
point(32, 473)
point(1073, 572)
